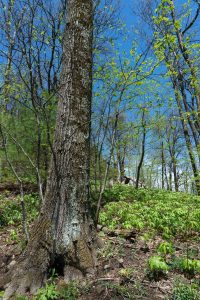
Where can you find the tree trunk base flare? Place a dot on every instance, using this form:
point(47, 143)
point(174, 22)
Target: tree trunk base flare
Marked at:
point(35, 264)
point(63, 238)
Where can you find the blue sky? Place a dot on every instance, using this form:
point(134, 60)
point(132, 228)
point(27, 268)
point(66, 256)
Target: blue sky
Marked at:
point(133, 22)
point(128, 6)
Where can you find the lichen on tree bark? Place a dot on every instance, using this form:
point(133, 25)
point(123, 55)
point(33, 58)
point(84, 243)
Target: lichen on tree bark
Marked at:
point(63, 237)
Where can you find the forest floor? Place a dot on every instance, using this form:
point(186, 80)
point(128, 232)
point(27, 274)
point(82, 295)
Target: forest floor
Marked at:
point(123, 269)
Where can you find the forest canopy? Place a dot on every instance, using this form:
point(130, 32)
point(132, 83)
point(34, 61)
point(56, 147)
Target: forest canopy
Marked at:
point(99, 128)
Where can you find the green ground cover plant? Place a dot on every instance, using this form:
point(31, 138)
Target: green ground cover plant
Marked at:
point(157, 267)
point(165, 221)
point(165, 248)
point(184, 291)
point(191, 266)
point(11, 211)
point(168, 213)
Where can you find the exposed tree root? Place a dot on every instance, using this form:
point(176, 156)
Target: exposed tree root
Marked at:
point(28, 274)
point(33, 267)
point(22, 283)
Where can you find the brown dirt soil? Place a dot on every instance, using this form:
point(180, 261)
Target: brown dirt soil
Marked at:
point(9, 249)
point(15, 188)
point(122, 267)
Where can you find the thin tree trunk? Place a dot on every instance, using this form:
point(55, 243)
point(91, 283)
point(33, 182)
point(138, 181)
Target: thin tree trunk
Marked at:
point(121, 166)
point(194, 130)
point(143, 150)
point(174, 167)
point(107, 169)
point(170, 176)
point(187, 140)
point(163, 165)
point(24, 214)
point(32, 164)
point(10, 39)
point(188, 60)
point(164, 170)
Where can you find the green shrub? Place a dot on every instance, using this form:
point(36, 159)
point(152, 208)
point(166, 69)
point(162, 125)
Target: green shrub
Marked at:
point(157, 267)
point(13, 235)
point(190, 266)
point(157, 263)
point(165, 248)
point(69, 292)
point(47, 293)
point(52, 292)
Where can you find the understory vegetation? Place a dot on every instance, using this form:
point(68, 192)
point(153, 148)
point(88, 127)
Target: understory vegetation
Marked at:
point(100, 132)
point(151, 240)
point(167, 213)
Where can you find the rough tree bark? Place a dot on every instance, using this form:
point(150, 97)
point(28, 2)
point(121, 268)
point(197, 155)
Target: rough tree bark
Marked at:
point(63, 237)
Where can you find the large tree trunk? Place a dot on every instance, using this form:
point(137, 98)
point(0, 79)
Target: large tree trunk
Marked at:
point(63, 236)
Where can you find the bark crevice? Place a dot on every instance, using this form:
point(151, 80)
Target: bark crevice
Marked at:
point(64, 237)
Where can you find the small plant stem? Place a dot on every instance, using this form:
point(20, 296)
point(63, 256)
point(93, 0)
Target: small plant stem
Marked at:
point(24, 214)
